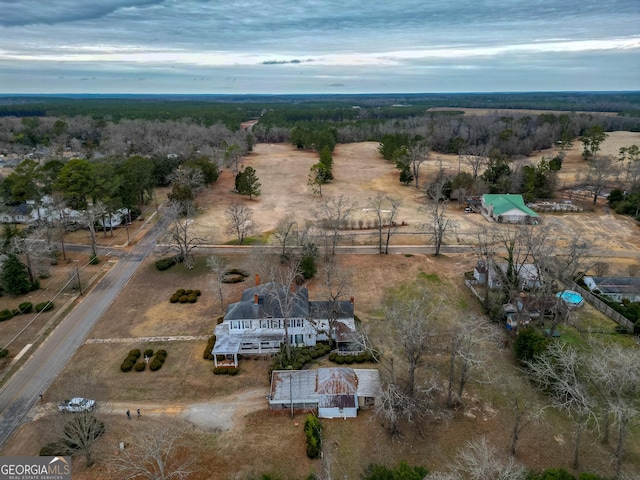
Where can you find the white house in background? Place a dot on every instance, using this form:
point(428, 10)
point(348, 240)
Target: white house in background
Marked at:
point(528, 275)
point(256, 324)
point(16, 214)
point(508, 208)
point(331, 392)
point(616, 288)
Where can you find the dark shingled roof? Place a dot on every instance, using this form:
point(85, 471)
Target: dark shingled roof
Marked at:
point(333, 310)
point(272, 298)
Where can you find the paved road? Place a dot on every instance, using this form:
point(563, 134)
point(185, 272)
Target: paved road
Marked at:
point(22, 390)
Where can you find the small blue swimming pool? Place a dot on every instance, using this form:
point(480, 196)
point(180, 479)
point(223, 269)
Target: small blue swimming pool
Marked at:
point(571, 298)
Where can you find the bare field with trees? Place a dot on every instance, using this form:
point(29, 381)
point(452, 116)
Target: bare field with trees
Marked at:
point(484, 410)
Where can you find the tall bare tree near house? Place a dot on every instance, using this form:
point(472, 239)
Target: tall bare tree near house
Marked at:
point(218, 267)
point(155, 451)
point(336, 287)
point(467, 349)
point(437, 223)
point(484, 248)
point(181, 237)
point(285, 291)
point(59, 217)
point(286, 232)
point(36, 251)
point(411, 317)
point(613, 370)
point(560, 373)
point(333, 215)
point(89, 218)
point(239, 221)
point(385, 210)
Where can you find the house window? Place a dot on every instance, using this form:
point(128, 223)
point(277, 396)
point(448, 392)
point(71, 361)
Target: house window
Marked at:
point(246, 323)
point(235, 324)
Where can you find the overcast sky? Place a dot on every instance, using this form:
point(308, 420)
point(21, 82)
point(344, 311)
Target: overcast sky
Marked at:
point(318, 46)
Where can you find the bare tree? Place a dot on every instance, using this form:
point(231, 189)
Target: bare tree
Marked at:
point(598, 176)
point(189, 177)
point(524, 409)
point(36, 251)
point(284, 232)
point(157, 451)
point(396, 405)
point(417, 154)
point(333, 215)
point(438, 224)
point(466, 355)
point(285, 291)
point(613, 370)
point(559, 373)
point(476, 158)
point(412, 323)
point(385, 209)
point(480, 461)
point(181, 238)
point(239, 221)
point(80, 434)
point(218, 267)
point(336, 286)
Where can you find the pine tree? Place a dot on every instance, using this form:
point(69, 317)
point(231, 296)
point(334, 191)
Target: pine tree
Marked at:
point(15, 278)
point(247, 182)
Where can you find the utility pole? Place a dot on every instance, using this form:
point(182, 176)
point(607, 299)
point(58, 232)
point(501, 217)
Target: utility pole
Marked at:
point(78, 277)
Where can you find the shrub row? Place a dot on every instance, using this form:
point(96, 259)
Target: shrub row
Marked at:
point(226, 371)
point(184, 296)
point(313, 432)
point(350, 359)
point(207, 355)
point(24, 308)
point(3, 352)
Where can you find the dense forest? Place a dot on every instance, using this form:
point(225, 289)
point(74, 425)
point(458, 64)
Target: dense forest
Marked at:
point(206, 133)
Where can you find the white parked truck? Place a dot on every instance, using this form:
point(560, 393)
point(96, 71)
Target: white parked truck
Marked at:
point(77, 404)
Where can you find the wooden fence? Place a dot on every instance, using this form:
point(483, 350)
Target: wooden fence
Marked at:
point(604, 308)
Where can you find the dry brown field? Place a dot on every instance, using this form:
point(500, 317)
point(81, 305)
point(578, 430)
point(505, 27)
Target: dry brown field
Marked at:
point(233, 434)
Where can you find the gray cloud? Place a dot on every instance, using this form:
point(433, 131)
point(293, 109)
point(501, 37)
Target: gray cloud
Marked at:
point(404, 45)
point(30, 12)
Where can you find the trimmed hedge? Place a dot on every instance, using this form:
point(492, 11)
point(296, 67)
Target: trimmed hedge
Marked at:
point(140, 366)
point(44, 306)
point(25, 307)
point(135, 353)
point(126, 366)
point(3, 352)
point(226, 371)
point(207, 355)
point(5, 314)
point(167, 263)
point(148, 353)
point(156, 364)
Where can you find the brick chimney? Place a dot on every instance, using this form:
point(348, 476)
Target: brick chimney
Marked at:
point(352, 300)
point(257, 279)
point(255, 299)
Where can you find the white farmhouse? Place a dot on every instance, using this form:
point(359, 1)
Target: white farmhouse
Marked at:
point(266, 314)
